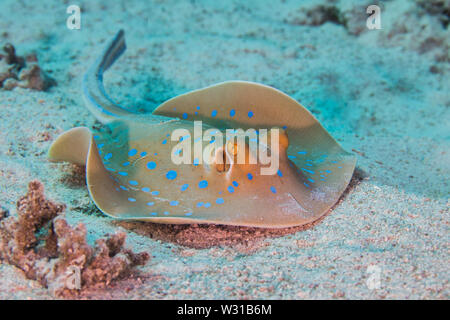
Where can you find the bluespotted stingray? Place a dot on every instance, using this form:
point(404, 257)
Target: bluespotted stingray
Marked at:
point(131, 175)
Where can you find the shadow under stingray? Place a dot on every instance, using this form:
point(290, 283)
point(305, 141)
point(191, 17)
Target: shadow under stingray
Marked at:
point(202, 236)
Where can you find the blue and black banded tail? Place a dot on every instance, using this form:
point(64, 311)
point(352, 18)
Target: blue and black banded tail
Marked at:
point(97, 101)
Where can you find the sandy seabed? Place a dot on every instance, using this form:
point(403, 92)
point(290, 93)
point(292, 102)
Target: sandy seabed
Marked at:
point(383, 94)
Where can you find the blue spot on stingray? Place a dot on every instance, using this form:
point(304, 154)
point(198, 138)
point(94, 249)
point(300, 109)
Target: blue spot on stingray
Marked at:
point(250, 114)
point(230, 189)
point(101, 145)
point(207, 205)
point(156, 154)
point(177, 152)
point(96, 137)
point(302, 152)
point(123, 173)
point(273, 189)
point(155, 193)
point(309, 164)
point(132, 199)
point(126, 163)
point(292, 157)
point(108, 156)
point(132, 152)
point(166, 213)
point(146, 189)
point(151, 165)
point(214, 113)
point(235, 183)
point(133, 182)
point(307, 185)
point(280, 173)
point(311, 180)
point(219, 201)
point(198, 107)
point(284, 127)
point(203, 184)
point(150, 203)
point(249, 176)
point(196, 162)
point(328, 171)
point(309, 171)
point(188, 214)
point(174, 203)
point(196, 112)
point(153, 213)
point(171, 175)
point(184, 187)
point(143, 154)
point(185, 115)
point(164, 141)
point(232, 112)
point(199, 204)
point(123, 188)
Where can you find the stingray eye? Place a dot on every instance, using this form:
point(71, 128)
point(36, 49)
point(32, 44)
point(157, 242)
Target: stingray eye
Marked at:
point(222, 161)
point(239, 152)
point(232, 148)
point(284, 140)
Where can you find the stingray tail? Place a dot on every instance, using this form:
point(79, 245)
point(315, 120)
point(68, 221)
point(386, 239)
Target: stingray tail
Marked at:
point(97, 101)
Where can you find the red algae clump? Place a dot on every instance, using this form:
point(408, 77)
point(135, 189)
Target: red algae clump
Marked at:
point(41, 243)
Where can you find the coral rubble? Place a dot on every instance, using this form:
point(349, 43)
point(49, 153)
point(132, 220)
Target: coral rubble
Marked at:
point(41, 243)
point(16, 71)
